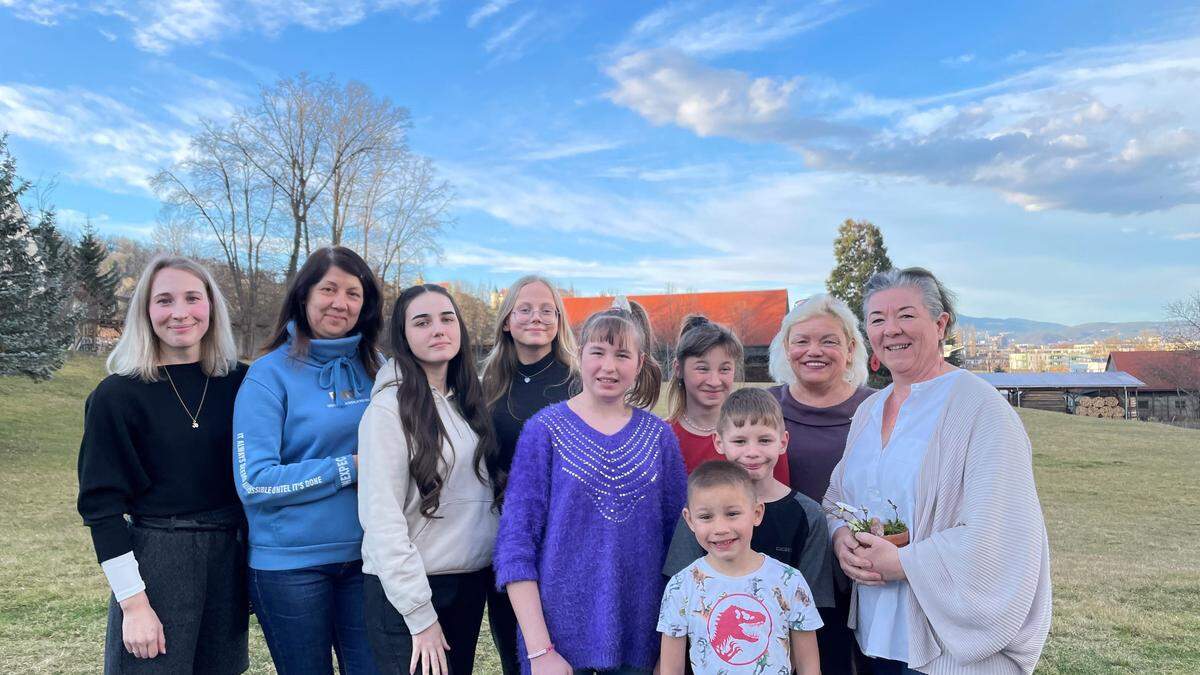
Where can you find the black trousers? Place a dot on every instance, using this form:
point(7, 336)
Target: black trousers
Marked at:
point(503, 624)
point(196, 583)
point(458, 600)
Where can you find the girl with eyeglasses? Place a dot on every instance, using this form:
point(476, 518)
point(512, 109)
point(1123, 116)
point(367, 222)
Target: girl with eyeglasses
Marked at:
point(532, 365)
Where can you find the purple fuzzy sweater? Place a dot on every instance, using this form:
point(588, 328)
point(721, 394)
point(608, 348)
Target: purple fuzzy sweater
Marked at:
point(589, 517)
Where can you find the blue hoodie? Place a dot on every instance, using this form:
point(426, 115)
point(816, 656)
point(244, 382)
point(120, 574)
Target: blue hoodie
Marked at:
point(295, 434)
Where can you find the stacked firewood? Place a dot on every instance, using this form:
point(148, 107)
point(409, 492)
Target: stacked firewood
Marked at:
point(1100, 406)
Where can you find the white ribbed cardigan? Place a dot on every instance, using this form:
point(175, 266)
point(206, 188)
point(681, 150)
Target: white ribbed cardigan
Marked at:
point(978, 566)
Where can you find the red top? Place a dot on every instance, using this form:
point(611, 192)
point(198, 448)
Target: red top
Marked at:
point(700, 449)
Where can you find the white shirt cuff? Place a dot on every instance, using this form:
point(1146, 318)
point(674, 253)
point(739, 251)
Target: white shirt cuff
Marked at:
point(123, 576)
point(836, 524)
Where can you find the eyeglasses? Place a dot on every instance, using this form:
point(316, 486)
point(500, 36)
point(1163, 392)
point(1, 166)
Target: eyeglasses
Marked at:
point(526, 313)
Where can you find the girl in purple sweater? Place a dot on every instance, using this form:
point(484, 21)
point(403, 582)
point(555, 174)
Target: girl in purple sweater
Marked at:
point(595, 489)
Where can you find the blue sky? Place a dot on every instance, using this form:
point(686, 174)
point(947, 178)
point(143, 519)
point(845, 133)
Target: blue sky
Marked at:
point(1043, 158)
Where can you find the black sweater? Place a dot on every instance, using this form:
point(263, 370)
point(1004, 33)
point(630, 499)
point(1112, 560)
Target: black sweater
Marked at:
point(550, 383)
point(141, 456)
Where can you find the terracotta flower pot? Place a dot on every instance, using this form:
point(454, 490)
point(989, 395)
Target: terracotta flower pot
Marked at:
point(898, 540)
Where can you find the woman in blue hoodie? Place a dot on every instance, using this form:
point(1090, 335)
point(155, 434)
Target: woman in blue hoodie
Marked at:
point(295, 454)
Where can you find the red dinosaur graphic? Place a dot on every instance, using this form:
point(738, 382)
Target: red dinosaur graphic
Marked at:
point(738, 628)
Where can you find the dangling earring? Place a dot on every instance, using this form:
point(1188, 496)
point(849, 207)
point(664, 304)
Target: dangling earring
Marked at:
point(875, 363)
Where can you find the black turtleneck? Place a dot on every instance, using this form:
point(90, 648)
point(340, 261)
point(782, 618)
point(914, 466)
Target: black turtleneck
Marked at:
point(141, 456)
point(549, 382)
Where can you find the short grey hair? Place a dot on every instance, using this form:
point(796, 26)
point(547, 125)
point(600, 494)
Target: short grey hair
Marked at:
point(136, 353)
point(934, 295)
point(821, 304)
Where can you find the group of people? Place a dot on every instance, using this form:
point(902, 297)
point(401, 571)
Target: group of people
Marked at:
point(367, 508)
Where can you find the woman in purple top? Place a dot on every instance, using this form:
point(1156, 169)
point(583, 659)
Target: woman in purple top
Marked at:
point(595, 489)
point(820, 358)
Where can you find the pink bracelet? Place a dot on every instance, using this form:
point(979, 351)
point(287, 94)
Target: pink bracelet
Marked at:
point(549, 648)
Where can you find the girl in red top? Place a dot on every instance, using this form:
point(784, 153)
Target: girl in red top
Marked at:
point(707, 358)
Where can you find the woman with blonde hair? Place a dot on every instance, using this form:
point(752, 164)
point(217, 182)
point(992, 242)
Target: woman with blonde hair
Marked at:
point(820, 360)
point(155, 450)
point(533, 364)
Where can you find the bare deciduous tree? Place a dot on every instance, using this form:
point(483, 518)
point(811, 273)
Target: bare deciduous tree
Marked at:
point(219, 189)
point(303, 133)
point(366, 134)
point(404, 224)
point(1184, 318)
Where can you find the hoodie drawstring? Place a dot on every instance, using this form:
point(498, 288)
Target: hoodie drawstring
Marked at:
point(334, 376)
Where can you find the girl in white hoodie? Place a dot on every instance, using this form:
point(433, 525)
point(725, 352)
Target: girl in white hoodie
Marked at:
point(425, 497)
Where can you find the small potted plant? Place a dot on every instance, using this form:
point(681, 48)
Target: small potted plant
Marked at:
point(894, 530)
point(859, 519)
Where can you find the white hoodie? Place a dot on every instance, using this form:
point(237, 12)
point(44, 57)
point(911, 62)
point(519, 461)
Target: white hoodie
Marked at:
point(401, 546)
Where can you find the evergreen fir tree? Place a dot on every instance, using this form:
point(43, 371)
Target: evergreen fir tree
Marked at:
point(858, 253)
point(97, 289)
point(37, 323)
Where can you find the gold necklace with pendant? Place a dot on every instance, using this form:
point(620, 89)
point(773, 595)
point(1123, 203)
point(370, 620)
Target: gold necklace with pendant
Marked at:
point(196, 417)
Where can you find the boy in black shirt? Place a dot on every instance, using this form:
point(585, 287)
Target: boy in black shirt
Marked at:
point(751, 433)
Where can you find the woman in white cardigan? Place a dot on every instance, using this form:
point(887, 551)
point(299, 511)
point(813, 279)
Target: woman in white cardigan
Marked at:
point(970, 593)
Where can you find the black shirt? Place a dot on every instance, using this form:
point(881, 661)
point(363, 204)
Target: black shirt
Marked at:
point(549, 382)
point(141, 456)
point(783, 531)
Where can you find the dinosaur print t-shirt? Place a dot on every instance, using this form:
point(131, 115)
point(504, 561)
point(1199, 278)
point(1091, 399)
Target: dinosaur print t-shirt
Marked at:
point(738, 624)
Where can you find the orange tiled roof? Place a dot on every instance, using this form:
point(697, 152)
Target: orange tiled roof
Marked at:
point(753, 315)
point(1159, 369)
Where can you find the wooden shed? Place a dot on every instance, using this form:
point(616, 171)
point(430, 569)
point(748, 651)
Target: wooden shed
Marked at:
point(1068, 392)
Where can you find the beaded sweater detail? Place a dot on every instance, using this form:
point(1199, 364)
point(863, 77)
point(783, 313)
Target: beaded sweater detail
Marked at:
point(615, 477)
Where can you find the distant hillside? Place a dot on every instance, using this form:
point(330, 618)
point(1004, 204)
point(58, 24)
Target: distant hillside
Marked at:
point(1042, 332)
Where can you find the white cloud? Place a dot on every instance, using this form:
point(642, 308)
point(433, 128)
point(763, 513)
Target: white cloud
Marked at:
point(1113, 130)
point(960, 60)
point(508, 34)
point(728, 30)
point(73, 222)
point(776, 230)
point(572, 148)
point(110, 144)
point(486, 10)
point(511, 41)
point(694, 173)
point(161, 25)
point(1187, 236)
point(668, 87)
point(43, 12)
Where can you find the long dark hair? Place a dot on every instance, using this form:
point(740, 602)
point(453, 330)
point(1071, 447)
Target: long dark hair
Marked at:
point(369, 317)
point(423, 428)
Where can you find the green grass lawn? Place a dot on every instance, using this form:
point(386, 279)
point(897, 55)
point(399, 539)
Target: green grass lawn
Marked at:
point(1121, 501)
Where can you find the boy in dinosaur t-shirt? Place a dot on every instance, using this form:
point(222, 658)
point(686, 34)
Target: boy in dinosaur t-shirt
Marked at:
point(742, 611)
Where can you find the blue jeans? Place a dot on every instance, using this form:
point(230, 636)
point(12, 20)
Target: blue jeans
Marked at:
point(307, 612)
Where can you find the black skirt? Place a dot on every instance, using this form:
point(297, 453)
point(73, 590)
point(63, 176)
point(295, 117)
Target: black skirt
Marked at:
point(196, 584)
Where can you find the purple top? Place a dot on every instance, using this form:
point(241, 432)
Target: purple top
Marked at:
point(816, 438)
point(589, 517)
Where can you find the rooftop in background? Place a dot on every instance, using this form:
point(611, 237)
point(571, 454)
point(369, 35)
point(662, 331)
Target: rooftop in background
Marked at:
point(1161, 370)
point(1108, 380)
point(754, 316)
